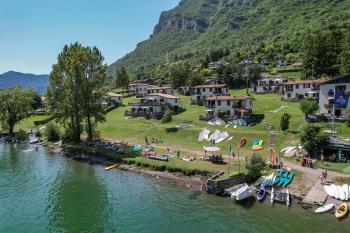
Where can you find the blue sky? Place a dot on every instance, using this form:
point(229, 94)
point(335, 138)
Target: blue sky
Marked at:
point(33, 32)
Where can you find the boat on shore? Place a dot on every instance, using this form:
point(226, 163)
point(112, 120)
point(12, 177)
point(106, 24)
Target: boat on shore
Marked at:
point(324, 209)
point(341, 211)
point(111, 167)
point(261, 194)
point(243, 193)
point(229, 191)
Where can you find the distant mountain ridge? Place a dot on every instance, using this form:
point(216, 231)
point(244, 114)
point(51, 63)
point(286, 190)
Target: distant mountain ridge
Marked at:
point(25, 80)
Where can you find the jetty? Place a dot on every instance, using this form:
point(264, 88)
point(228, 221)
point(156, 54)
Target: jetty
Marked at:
point(316, 195)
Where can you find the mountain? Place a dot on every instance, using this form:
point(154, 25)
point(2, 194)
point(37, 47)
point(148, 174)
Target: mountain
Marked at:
point(37, 82)
point(255, 29)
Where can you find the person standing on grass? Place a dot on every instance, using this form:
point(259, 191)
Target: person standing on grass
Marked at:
point(178, 154)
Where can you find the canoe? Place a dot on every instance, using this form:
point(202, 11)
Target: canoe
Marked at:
point(233, 189)
point(283, 178)
point(111, 167)
point(341, 211)
point(345, 188)
point(287, 198)
point(336, 191)
point(267, 181)
point(261, 194)
point(289, 179)
point(278, 177)
point(324, 209)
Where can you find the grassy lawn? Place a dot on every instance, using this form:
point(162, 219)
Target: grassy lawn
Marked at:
point(117, 126)
point(340, 167)
point(28, 123)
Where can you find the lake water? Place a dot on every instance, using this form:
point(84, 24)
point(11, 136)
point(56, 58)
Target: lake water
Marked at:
point(40, 192)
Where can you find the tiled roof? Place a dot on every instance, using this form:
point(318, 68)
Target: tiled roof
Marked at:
point(228, 98)
point(317, 81)
point(163, 95)
point(211, 86)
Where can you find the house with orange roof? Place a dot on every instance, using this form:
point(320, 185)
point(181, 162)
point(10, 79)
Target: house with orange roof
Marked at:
point(297, 90)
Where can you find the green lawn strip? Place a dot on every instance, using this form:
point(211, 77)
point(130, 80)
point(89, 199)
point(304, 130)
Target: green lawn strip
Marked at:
point(28, 123)
point(339, 167)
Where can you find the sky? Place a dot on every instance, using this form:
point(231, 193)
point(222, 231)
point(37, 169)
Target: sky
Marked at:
point(33, 32)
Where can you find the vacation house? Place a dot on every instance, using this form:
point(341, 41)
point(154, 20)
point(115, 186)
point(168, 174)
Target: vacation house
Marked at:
point(274, 84)
point(297, 90)
point(114, 98)
point(202, 92)
point(153, 105)
point(140, 88)
point(335, 91)
point(164, 89)
point(228, 107)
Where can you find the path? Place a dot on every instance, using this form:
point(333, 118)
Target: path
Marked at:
point(317, 194)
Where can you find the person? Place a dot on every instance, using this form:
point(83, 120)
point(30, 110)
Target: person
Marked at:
point(167, 149)
point(178, 154)
point(146, 140)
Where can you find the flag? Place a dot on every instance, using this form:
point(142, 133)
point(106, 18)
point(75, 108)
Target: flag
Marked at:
point(232, 153)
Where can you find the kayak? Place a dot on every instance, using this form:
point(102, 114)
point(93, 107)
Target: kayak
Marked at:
point(111, 167)
point(261, 194)
point(341, 211)
point(289, 179)
point(278, 177)
point(341, 193)
point(324, 209)
point(283, 178)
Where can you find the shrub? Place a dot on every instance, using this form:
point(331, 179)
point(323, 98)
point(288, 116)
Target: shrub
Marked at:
point(255, 165)
point(313, 139)
point(21, 135)
point(52, 132)
point(284, 123)
point(168, 117)
point(309, 106)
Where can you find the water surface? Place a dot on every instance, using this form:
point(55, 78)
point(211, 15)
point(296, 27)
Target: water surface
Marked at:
point(40, 192)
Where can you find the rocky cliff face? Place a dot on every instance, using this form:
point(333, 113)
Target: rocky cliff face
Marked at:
point(194, 24)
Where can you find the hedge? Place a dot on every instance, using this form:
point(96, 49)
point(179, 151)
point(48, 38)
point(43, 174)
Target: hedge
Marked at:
point(44, 121)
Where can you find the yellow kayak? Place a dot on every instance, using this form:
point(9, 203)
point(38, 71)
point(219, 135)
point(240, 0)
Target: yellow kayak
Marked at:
point(341, 211)
point(111, 167)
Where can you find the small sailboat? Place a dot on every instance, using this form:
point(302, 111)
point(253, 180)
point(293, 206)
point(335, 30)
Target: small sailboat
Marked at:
point(111, 166)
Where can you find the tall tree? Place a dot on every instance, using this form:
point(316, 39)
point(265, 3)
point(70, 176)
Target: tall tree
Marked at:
point(76, 88)
point(345, 55)
point(309, 106)
point(313, 139)
point(122, 78)
point(179, 73)
point(15, 105)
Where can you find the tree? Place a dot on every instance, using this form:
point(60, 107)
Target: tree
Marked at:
point(284, 123)
point(77, 87)
point(195, 79)
point(345, 55)
point(122, 78)
point(15, 105)
point(37, 102)
point(52, 132)
point(179, 73)
point(168, 117)
point(313, 139)
point(255, 165)
point(309, 106)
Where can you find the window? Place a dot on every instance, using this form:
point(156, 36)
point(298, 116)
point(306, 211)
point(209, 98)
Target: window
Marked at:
point(203, 89)
point(219, 102)
point(161, 100)
point(175, 100)
point(228, 103)
point(340, 89)
point(308, 85)
point(306, 95)
point(297, 86)
point(211, 89)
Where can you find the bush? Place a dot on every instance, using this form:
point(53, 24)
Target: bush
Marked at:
point(309, 106)
point(313, 139)
point(21, 135)
point(255, 165)
point(67, 135)
point(284, 123)
point(52, 132)
point(168, 117)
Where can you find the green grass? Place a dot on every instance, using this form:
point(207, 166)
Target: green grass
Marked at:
point(28, 123)
point(340, 167)
point(117, 126)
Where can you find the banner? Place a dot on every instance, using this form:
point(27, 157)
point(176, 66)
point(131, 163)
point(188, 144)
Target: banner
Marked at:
point(341, 100)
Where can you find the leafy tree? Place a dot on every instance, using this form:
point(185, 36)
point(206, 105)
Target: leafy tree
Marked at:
point(76, 88)
point(255, 165)
point(313, 139)
point(284, 122)
point(122, 78)
point(179, 73)
point(309, 106)
point(15, 105)
point(168, 117)
point(345, 55)
point(52, 132)
point(195, 79)
point(37, 102)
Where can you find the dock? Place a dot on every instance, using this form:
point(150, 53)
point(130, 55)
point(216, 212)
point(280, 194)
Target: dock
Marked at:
point(317, 195)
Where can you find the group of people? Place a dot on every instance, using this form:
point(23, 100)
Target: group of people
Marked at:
point(216, 158)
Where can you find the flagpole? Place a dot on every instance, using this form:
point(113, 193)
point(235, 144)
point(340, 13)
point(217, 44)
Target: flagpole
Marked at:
point(239, 163)
point(229, 160)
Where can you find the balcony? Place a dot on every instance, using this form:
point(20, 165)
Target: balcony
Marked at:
point(146, 104)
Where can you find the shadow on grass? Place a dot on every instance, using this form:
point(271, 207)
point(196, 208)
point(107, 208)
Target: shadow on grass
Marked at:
point(257, 118)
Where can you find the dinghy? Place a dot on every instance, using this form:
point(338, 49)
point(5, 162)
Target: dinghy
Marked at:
point(261, 194)
point(324, 209)
point(233, 189)
point(341, 211)
point(243, 193)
